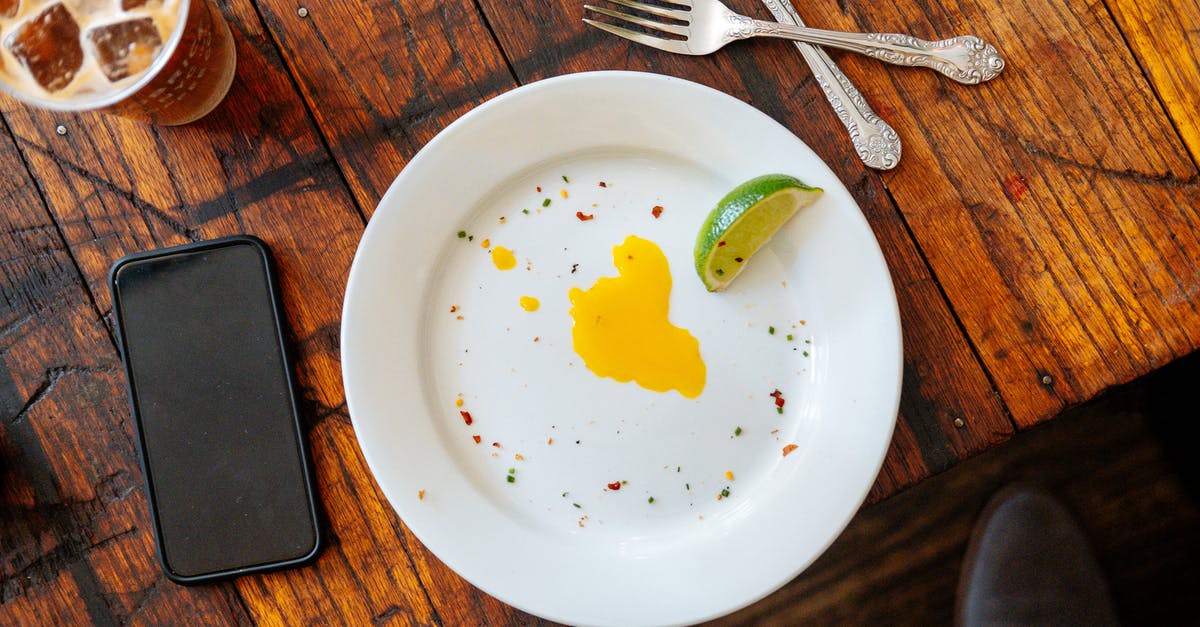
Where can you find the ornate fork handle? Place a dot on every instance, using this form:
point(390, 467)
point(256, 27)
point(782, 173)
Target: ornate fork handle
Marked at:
point(966, 59)
point(875, 141)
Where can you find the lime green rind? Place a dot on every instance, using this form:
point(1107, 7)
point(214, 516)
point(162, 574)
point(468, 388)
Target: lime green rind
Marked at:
point(731, 209)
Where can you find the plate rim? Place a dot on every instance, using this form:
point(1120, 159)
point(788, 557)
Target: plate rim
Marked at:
point(451, 131)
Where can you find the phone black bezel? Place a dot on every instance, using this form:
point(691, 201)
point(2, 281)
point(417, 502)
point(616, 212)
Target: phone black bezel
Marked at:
point(276, 304)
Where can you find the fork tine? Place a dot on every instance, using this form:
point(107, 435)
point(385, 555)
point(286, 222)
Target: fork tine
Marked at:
point(640, 21)
point(670, 45)
point(653, 9)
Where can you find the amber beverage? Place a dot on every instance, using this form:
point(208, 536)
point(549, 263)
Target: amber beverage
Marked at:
point(158, 61)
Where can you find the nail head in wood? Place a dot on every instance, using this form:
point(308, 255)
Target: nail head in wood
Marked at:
point(302, 12)
point(60, 129)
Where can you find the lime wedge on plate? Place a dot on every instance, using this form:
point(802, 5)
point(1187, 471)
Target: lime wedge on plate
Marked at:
point(744, 220)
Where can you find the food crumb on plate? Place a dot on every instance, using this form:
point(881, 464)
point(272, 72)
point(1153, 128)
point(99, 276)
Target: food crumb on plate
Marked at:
point(788, 449)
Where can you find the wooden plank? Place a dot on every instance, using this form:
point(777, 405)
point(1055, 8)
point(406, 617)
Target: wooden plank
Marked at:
point(78, 546)
point(382, 78)
point(256, 165)
point(943, 381)
point(1165, 38)
point(1054, 204)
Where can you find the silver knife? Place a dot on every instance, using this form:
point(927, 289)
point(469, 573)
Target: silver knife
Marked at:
point(874, 140)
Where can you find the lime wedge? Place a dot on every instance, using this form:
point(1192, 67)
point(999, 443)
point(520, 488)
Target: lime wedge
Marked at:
point(745, 220)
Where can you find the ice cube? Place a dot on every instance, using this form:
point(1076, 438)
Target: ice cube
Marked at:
point(8, 8)
point(93, 8)
point(125, 48)
point(48, 46)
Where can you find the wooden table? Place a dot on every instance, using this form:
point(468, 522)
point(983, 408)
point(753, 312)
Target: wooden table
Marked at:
point(1042, 232)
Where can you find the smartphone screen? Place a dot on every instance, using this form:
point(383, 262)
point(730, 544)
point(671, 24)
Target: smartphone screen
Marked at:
point(201, 333)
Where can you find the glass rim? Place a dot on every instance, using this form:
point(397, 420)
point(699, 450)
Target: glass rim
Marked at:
point(113, 98)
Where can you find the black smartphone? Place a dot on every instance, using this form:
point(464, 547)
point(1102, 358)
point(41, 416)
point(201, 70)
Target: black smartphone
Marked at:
point(201, 332)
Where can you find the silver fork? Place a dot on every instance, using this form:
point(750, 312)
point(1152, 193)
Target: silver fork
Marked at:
point(709, 25)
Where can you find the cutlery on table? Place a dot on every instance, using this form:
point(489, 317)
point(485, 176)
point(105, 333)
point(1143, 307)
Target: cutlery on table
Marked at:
point(875, 141)
point(709, 25)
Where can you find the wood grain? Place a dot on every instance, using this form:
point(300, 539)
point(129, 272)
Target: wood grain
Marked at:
point(76, 544)
point(1165, 39)
point(382, 78)
point(257, 164)
point(1059, 223)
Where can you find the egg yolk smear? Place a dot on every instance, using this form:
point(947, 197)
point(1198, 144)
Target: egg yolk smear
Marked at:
point(621, 329)
point(503, 258)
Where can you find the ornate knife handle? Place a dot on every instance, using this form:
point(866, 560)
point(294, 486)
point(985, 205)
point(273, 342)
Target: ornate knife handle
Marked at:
point(875, 141)
point(966, 59)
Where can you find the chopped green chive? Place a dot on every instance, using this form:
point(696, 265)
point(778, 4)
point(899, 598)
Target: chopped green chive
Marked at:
point(806, 353)
point(650, 500)
point(771, 330)
point(462, 234)
point(624, 482)
point(512, 471)
point(737, 431)
point(790, 338)
point(565, 494)
point(725, 492)
point(525, 211)
point(546, 202)
point(577, 505)
point(565, 179)
point(512, 479)
point(720, 272)
point(779, 410)
point(688, 486)
point(470, 238)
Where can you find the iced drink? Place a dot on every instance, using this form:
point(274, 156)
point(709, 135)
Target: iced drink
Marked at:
point(158, 61)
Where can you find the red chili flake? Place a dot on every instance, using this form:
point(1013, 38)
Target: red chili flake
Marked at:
point(477, 439)
point(574, 267)
point(788, 449)
point(776, 394)
point(656, 211)
point(603, 184)
point(453, 308)
point(496, 444)
point(738, 259)
point(466, 417)
point(616, 485)
point(720, 243)
point(539, 189)
point(779, 401)
point(584, 217)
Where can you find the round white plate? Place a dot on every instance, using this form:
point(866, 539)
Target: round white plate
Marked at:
point(429, 319)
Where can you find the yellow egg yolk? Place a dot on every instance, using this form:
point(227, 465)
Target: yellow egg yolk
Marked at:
point(621, 328)
point(503, 258)
point(529, 303)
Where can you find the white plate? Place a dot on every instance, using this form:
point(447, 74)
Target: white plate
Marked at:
point(617, 558)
